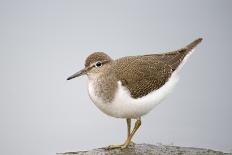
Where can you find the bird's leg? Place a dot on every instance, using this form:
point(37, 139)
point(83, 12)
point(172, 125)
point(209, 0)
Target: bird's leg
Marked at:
point(128, 121)
point(128, 141)
point(130, 135)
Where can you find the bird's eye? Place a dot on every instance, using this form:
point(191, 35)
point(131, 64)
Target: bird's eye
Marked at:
point(98, 64)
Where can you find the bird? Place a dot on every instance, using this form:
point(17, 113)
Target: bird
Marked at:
point(131, 86)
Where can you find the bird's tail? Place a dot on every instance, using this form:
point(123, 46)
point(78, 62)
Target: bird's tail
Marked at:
point(180, 56)
point(193, 44)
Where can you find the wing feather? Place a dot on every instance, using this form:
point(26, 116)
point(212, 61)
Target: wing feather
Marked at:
point(141, 75)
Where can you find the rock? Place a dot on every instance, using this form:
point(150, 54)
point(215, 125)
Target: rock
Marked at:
point(148, 149)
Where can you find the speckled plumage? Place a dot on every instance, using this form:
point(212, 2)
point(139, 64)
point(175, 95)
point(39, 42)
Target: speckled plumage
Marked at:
point(142, 75)
point(139, 74)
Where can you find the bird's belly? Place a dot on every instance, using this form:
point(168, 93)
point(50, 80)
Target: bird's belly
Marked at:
point(124, 106)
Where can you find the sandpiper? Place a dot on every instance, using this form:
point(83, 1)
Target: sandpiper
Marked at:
point(130, 87)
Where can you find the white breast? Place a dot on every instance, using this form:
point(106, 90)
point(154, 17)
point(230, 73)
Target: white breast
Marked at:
point(124, 106)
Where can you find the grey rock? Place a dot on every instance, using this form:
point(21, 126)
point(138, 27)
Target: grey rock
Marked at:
point(148, 149)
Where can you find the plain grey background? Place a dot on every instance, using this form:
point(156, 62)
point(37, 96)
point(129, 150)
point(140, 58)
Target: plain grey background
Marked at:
point(43, 42)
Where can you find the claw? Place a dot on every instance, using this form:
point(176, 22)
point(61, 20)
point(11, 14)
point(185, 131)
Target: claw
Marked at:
point(121, 146)
point(132, 143)
point(124, 147)
point(114, 147)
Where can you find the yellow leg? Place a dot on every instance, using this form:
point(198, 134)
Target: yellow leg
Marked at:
point(130, 135)
point(128, 121)
point(128, 141)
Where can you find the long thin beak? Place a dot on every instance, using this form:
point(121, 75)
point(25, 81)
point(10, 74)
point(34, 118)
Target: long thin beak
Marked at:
point(81, 72)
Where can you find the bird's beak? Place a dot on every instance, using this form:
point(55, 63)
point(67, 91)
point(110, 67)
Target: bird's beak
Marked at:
point(81, 72)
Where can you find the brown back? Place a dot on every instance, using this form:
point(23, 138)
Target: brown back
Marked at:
point(143, 74)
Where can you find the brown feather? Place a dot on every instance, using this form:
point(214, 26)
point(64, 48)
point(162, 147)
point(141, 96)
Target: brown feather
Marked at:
point(143, 74)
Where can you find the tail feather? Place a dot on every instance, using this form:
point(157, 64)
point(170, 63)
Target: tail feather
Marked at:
point(180, 56)
point(193, 44)
point(175, 58)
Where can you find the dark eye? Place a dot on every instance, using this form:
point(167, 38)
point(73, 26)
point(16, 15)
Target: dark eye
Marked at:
point(98, 64)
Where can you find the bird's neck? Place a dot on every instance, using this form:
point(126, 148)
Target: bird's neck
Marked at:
point(104, 86)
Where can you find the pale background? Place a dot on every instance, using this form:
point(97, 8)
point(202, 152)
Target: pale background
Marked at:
point(43, 42)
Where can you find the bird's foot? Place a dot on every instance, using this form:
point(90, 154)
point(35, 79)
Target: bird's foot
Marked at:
point(120, 146)
point(132, 143)
point(117, 146)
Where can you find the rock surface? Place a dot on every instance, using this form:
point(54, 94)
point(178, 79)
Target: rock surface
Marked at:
point(148, 149)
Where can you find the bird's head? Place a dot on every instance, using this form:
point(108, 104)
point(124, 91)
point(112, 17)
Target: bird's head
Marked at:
point(95, 64)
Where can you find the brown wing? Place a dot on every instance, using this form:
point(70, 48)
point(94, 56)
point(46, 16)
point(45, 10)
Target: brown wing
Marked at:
point(142, 74)
point(173, 59)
